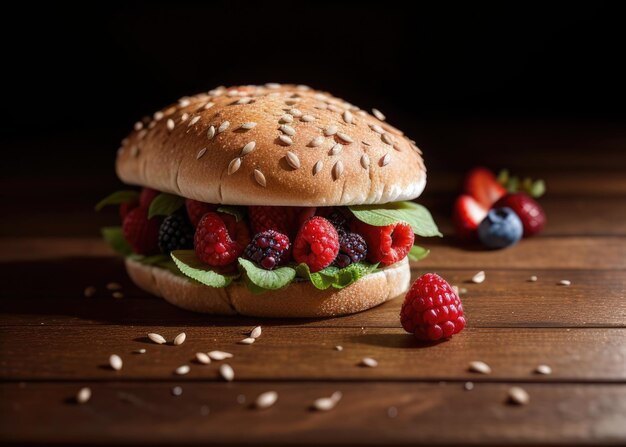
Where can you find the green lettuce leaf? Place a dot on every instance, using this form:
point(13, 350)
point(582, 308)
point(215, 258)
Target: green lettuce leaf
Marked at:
point(334, 276)
point(267, 279)
point(118, 198)
point(412, 213)
point(115, 238)
point(191, 266)
point(165, 204)
point(237, 211)
point(418, 253)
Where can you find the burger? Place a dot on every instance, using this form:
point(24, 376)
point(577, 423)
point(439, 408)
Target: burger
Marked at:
point(272, 201)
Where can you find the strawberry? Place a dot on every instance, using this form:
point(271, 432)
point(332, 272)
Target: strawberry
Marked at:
point(482, 185)
point(529, 211)
point(467, 215)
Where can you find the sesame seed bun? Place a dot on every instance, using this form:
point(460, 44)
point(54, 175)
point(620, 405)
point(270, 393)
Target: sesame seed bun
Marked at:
point(272, 145)
point(299, 299)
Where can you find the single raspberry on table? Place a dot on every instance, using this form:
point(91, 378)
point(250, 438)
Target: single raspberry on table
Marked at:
point(268, 248)
point(176, 233)
point(432, 309)
point(147, 196)
point(196, 209)
point(388, 244)
point(141, 233)
point(352, 249)
point(317, 244)
point(215, 244)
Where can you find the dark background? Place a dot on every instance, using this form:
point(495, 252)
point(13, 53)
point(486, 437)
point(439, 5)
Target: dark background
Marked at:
point(501, 84)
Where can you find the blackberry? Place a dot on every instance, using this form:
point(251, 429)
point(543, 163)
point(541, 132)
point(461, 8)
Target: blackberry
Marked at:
point(268, 249)
point(339, 221)
point(176, 233)
point(352, 248)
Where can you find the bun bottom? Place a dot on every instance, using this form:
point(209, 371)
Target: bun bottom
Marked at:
point(298, 300)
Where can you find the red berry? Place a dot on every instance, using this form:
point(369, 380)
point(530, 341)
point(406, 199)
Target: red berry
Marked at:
point(482, 184)
point(529, 211)
point(432, 309)
point(277, 218)
point(125, 208)
point(147, 196)
point(215, 245)
point(316, 244)
point(467, 215)
point(268, 249)
point(140, 232)
point(388, 244)
point(196, 209)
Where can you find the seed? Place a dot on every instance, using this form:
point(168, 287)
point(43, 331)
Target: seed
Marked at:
point(479, 277)
point(387, 139)
point(234, 165)
point(321, 106)
point(220, 355)
point(83, 395)
point(518, 396)
point(338, 348)
point(468, 386)
point(286, 118)
point(291, 101)
point(347, 117)
point(303, 87)
point(117, 295)
point(327, 403)
point(378, 114)
point(376, 128)
point(182, 370)
point(142, 133)
point(210, 133)
point(292, 160)
point(565, 282)
point(266, 400)
point(256, 332)
point(249, 147)
point(337, 170)
point(369, 362)
point(244, 100)
point(138, 125)
point(247, 126)
point(156, 338)
point(184, 117)
point(320, 96)
point(317, 167)
point(177, 391)
point(284, 139)
point(223, 127)
point(180, 339)
point(415, 148)
point(259, 177)
point(227, 372)
point(317, 141)
point(89, 291)
point(247, 341)
point(201, 357)
point(330, 130)
point(184, 102)
point(533, 278)
point(336, 149)
point(334, 108)
point(384, 161)
point(543, 369)
point(462, 290)
point(201, 152)
point(157, 115)
point(170, 124)
point(194, 120)
point(345, 138)
point(134, 151)
point(479, 367)
point(272, 85)
point(139, 351)
point(307, 118)
point(365, 161)
point(295, 112)
point(287, 130)
point(115, 361)
point(208, 105)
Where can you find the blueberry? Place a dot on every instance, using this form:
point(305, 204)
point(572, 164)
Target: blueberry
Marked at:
point(501, 228)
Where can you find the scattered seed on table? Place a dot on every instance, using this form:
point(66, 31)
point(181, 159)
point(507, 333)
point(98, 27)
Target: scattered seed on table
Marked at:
point(518, 396)
point(565, 282)
point(392, 412)
point(83, 395)
point(90, 291)
point(266, 400)
point(117, 295)
point(201, 357)
point(543, 369)
point(256, 332)
point(327, 403)
point(479, 277)
point(219, 355)
point(468, 386)
point(182, 370)
point(462, 290)
point(338, 348)
point(533, 278)
point(180, 339)
point(369, 362)
point(247, 341)
point(115, 361)
point(157, 338)
point(177, 391)
point(139, 351)
point(479, 367)
point(114, 286)
point(227, 372)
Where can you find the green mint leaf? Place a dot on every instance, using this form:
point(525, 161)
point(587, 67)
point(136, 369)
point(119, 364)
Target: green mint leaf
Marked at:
point(153, 260)
point(165, 204)
point(117, 198)
point(538, 189)
point(412, 213)
point(321, 280)
point(418, 253)
point(503, 177)
point(115, 238)
point(334, 276)
point(191, 266)
point(237, 211)
point(267, 279)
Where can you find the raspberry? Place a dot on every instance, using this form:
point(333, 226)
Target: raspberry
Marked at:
point(176, 233)
point(140, 232)
point(147, 196)
point(214, 244)
point(269, 249)
point(317, 244)
point(386, 245)
point(277, 218)
point(126, 208)
point(432, 309)
point(339, 221)
point(352, 248)
point(196, 209)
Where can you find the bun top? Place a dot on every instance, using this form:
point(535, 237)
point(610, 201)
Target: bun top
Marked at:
point(272, 145)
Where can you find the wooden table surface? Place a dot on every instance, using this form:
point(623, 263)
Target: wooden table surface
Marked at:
point(53, 340)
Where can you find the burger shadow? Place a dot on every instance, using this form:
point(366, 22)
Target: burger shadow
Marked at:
point(397, 341)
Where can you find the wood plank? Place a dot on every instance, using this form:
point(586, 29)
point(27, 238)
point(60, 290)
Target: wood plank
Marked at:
point(426, 414)
point(288, 353)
